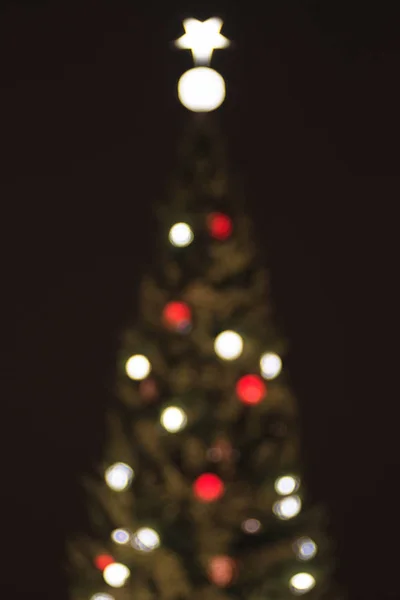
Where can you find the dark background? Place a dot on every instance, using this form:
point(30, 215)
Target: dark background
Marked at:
point(89, 128)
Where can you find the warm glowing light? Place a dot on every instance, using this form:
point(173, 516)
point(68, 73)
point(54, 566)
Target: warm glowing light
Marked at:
point(301, 583)
point(103, 560)
point(116, 575)
point(286, 485)
point(173, 419)
point(177, 316)
point(251, 526)
point(271, 365)
point(121, 536)
point(305, 548)
point(102, 597)
point(287, 508)
point(119, 477)
point(221, 570)
point(138, 367)
point(201, 89)
point(220, 226)
point(251, 389)
point(146, 539)
point(228, 345)
point(202, 38)
point(208, 488)
point(181, 235)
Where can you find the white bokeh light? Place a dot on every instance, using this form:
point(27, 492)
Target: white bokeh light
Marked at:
point(270, 365)
point(301, 583)
point(286, 485)
point(173, 419)
point(121, 536)
point(102, 596)
point(201, 89)
point(287, 508)
point(116, 575)
point(138, 367)
point(305, 548)
point(119, 477)
point(228, 345)
point(146, 539)
point(181, 235)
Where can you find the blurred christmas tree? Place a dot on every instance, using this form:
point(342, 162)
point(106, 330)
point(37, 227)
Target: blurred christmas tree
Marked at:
point(200, 494)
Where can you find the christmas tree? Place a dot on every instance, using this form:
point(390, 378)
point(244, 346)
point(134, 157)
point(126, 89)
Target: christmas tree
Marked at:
point(200, 494)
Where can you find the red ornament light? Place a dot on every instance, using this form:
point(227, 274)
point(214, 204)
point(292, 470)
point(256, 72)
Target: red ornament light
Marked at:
point(177, 316)
point(221, 570)
point(251, 389)
point(208, 487)
point(148, 390)
point(220, 226)
point(103, 560)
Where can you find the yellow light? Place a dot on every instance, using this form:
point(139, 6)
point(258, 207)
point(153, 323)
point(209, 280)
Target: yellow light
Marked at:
point(181, 235)
point(301, 583)
point(305, 548)
point(228, 345)
point(119, 477)
point(102, 597)
point(271, 365)
point(121, 536)
point(138, 367)
point(201, 89)
point(146, 539)
point(202, 38)
point(173, 419)
point(116, 575)
point(286, 485)
point(287, 508)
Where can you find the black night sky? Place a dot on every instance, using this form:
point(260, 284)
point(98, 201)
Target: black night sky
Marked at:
point(89, 130)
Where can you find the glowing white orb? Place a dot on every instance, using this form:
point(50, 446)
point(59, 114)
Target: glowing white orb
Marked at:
point(286, 485)
point(301, 583)
point(305, 548)
point(287, 508)
point(119, 477)
point(116, 575)
point(173, 419)
point(181, 235)
point(121, 536)
point(271, 365)
point(102, 597)
point(201, 89)
point(138, 367)
point(146, 539)
point(251, 525)
point(228, 345)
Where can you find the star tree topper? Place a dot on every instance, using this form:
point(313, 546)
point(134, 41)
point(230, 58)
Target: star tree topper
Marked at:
point(202, 38)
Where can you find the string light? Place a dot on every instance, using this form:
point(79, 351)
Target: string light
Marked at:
point(121, 536)
point(287, 508)
point(251, 526)
point(116, 575)
point(270, 365)
point(286, 485)
point(305, 549)
point(208, 487)
point(138, 367)
point(251, 389)
point(173, 419)
point(181, 235)
point(301, 583)
point(102, 597)
point(119, 476)
point(146, 539)
point(228, 345)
